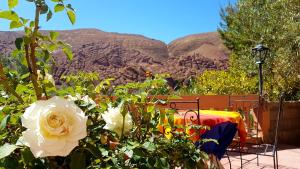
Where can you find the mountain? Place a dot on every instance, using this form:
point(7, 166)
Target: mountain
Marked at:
point(127, 57)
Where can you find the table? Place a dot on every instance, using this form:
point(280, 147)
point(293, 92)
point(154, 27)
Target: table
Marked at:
point(208, 118)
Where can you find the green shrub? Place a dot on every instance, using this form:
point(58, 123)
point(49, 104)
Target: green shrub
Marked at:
point(221, 82)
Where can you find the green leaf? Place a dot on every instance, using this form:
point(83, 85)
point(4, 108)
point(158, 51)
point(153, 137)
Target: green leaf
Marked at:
point(24, 21)
point(93, 150)
point(18, 43)
point(150, 108)
point(77, 160)
point(59, 7)
point(21, 88)
point(27, 156)
point(31, 24)
point(52, 47)
point(55, 0)
point(9, 163)
point(162, 163)
point(14, 118)
point(68, 52)
point(26, 75)
point(46, 55)
point(12, 3)
point(53, 35)
point(15, 24)
point(45, 9)
point(149, 146)
point(72, 16)
point(104, 106)
point(49, 15)
point(7, 149)
point(9, 15)
point(4, 122)
point(170, 116)
point(69, 6)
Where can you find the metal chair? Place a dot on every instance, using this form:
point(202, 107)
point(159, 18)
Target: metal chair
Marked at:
point(256, 147)
point(248, 108)
point(274, 146)
point(190, 107)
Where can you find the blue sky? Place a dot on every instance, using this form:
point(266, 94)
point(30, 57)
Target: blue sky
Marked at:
point(164, 20)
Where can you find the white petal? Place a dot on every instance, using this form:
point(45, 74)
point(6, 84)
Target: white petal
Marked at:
point(53, 145)
point(31, 139)
point(30, 117)
point(67, 149)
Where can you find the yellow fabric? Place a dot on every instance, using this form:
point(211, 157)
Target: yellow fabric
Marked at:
point(220, 113)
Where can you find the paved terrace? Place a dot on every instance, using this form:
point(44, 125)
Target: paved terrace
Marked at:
point(288, 156)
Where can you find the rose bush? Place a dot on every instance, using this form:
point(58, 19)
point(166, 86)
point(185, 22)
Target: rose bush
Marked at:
point(53, 127)
point(38, 129)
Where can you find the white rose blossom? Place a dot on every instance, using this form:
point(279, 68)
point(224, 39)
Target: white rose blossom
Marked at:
point(75, 98)
point(48, 77)
point(54, 127)
point(85, 98)
point(114, 120)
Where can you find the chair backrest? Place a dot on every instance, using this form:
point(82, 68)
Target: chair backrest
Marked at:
point(249, 109)
point(279, 115)
point(187, 107)
point(191, 109)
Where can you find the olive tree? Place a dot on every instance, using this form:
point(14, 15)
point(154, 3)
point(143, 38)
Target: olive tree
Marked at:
point(275, 24)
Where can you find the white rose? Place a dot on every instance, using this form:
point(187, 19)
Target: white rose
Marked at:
point(85, 98)
point(54, 127)
point(71, 98)
point(114, 120)
point(47, 77)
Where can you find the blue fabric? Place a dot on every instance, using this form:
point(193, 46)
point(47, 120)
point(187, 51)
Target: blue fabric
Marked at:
point(223, 133)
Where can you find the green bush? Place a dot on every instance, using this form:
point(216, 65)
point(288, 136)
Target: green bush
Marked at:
point(221, 82)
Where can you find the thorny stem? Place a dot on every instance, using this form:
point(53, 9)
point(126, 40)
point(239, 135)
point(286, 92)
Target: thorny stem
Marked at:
point(30, 56)
point(123, 126)
point(44, 87)
point(45, 91)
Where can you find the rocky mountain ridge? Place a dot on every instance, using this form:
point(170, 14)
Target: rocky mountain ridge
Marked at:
point(127, 57)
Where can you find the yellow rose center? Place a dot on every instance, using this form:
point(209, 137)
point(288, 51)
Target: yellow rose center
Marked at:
point(55, 121)
point(54, 124)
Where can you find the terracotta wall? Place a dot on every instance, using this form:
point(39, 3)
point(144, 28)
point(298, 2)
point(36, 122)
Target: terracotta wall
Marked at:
point(217, 102)
point(289, 126)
